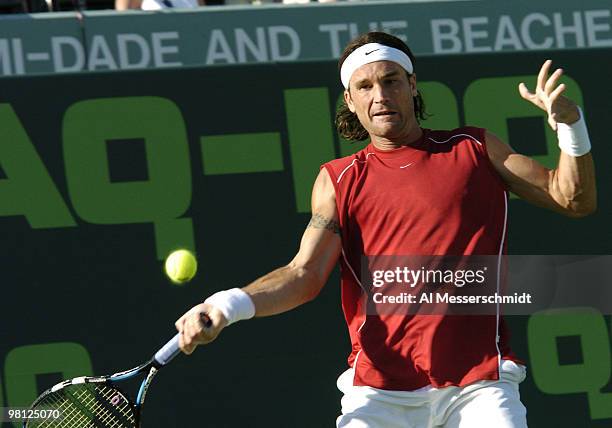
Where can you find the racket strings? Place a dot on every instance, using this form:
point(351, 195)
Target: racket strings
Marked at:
point(87, 406)
point(80, 417)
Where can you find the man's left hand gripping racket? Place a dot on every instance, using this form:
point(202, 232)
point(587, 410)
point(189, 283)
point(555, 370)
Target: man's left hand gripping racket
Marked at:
point(96, 402)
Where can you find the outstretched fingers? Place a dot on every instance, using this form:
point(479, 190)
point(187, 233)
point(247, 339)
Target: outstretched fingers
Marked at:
point(535, 99)
point(548, 96)
point(525, 93)
point(551, 83)
point(547, 87)
point(543, 75)
point(557, 92)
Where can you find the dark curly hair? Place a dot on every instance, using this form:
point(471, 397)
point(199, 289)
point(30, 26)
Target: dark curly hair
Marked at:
point(347, 123)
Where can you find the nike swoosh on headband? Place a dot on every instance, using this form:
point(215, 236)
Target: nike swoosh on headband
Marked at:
point(372, 52)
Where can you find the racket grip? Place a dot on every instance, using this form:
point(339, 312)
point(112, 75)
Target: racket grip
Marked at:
point(168, 351)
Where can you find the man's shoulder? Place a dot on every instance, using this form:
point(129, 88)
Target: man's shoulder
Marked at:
point(345, 161)
point(337, 168)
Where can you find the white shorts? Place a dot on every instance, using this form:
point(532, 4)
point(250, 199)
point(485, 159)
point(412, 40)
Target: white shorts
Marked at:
point(480, 404)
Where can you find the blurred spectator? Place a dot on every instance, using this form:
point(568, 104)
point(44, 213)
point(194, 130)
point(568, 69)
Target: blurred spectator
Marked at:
point(13, 6)
point(35, 6)
point(164, 4)
point(306, 1)
point(158, 4)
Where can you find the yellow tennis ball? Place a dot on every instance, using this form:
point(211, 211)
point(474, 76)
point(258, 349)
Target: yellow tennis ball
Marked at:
point(181, 266)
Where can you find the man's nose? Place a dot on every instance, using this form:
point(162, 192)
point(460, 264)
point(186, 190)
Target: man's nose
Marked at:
point(380, 93)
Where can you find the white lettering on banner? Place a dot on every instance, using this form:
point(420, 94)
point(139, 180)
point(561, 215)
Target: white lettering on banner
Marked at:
point(554, 29)
point(574, 29)
point(507, 35)
point(100, 56)
point(259, 49)
point(386, 26)
point(5, 58)
point(478, 34)
point(334, 37)
point(219, 49)
point(130, 42)
point(471, 34)
point(353, 30)
point(274, 34)
point(132, 51)
point(68, 55)
point(282, 44)
point(64, 48)
point(389, 26)
point(334, 30)
point(18, 56)
point(161, 49)
point(593, 28)
point(526, 31)
point(445, 30)
point(11, 57)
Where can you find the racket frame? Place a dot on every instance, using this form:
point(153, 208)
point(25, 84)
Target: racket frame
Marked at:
point(161, 358)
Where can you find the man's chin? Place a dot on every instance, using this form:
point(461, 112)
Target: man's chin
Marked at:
point(388, 132)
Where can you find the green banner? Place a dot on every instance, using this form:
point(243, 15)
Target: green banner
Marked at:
point(99, 182)
point(110, 41)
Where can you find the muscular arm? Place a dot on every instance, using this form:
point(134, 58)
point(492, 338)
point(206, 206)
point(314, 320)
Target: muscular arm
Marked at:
point(284, 288)
point(568, 189)
point(302, 279)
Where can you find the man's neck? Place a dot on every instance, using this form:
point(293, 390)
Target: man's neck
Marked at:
point(392, 144)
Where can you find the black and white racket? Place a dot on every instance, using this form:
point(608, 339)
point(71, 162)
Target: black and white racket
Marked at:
point(96, 401)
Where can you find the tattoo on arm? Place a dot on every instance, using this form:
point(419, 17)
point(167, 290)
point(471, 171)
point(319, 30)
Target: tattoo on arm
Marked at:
point(320, 222)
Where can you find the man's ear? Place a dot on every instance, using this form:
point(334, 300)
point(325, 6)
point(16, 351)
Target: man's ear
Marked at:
point(349, 101)
point(413, 84)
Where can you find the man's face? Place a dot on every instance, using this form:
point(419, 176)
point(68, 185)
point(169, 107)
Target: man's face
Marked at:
point(380, 93)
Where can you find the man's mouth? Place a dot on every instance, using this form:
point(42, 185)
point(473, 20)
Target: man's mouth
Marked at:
point(384, 113)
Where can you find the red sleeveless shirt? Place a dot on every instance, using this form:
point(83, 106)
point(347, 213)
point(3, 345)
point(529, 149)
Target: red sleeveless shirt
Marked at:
point(439, 196)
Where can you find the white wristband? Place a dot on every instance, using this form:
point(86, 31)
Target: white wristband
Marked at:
point(234, 304)
point(574, 138)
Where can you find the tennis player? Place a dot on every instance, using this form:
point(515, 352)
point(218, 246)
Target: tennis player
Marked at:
point(415, 191)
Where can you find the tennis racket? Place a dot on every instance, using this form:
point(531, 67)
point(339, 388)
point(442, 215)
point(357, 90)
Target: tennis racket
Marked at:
point(97, 402)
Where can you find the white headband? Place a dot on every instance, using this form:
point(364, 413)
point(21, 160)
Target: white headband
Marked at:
point(372, 52)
